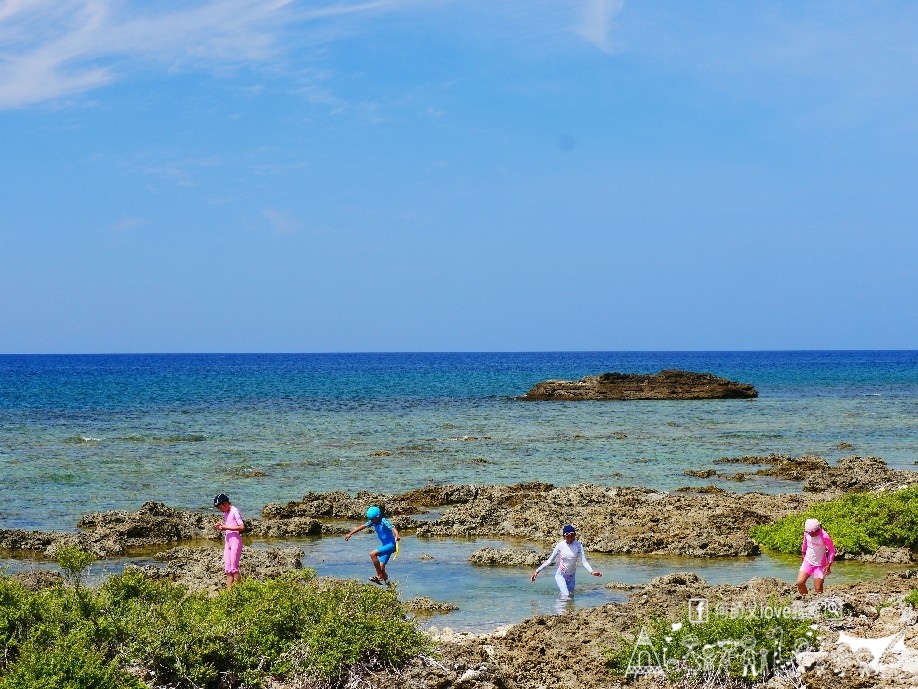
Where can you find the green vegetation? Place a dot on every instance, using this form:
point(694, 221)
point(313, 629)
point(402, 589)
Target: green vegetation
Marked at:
point(132, 627)
point(74, 561)
point(912, 598)
point(857, 523)
point(745, 646)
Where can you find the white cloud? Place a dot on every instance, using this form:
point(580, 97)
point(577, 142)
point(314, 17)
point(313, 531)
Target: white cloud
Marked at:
point(597, 22)
point(54, 48)
point(128, 223)
point(281, 222)
point(51, 49)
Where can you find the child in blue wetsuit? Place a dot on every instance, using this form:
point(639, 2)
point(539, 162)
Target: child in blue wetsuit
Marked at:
point(388, 536)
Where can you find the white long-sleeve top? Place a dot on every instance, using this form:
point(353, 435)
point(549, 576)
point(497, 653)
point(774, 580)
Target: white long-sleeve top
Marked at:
point(567, 556)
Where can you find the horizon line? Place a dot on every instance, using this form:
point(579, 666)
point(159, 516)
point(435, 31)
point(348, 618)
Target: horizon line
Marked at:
point(460, 351)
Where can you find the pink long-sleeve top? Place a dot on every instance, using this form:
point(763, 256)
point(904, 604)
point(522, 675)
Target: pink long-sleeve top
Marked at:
point(818, 550)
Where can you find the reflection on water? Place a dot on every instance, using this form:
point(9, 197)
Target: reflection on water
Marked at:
point(564, 605)
point(489, 597)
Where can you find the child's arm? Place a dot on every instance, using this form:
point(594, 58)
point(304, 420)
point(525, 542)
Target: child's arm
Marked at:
point(830, 550)
point(225, 526)
point(395, 533)
point(587, 564)
point(545, 564)
point(356, 530)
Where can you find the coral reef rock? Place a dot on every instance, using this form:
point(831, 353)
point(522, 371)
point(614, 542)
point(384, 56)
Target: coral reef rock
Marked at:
point(665, 385)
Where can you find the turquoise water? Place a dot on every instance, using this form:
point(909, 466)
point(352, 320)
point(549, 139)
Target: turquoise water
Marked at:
point(489, 597)
point(86, 433)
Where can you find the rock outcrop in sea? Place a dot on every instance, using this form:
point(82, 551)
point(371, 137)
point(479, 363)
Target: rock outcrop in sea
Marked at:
point(670, 384)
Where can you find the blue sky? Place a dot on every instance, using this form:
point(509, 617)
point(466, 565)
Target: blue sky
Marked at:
point(436, 175)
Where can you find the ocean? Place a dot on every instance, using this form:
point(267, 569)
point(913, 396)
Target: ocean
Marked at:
point(86, 433)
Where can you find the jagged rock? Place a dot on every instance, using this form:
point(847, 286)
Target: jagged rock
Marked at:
point(428, 606)
point(700, 473)
point(114, 532)
point(153, 524)
point(507, 557)
point(295, 527)
point(39, 579)
point(201, 569)
point(619, 586)
point(665, 385)
point(851, 475)
point(46, 543)
point(782, 466)
point(885, 554)
point(31, 541)
point(858, 475)
point(339, 505)
point(435, 496)
point(618, 520)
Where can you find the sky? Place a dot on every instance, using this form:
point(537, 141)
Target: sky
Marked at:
point(457, 175)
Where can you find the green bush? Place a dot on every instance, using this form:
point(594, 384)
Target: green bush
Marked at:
point(912, 598)
point(19, 613)
point(71, 662)
point(744, 648)
point(287, 627)
point(74, 561)
point(372, 634)
point(857, 523)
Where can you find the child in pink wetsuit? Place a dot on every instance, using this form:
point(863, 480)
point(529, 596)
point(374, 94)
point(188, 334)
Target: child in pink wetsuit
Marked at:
point(232, 527)
point(818, 555)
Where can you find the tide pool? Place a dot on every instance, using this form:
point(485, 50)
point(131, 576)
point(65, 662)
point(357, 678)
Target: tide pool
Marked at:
point(490, 597)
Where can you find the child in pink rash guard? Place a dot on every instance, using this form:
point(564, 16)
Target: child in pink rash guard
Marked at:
point(232, 527)
point(818, 555)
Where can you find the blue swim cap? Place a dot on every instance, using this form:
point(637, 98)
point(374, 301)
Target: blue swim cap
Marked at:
point(374, 512)
point(568, 528)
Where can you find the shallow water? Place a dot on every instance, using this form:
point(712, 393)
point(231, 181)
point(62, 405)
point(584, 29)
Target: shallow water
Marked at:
point(489, 597)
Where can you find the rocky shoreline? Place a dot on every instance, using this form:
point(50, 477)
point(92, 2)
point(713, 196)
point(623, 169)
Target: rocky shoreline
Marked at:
point(694, 522)
point(538, 651)
point(569, 651)
point(671, 384)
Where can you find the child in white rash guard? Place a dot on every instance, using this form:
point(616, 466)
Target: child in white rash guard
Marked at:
point(566, 552)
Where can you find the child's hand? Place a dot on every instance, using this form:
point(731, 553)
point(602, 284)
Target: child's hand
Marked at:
point(533, 577)
point(218, 526)
point(597, 574)
point(347, 538)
